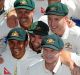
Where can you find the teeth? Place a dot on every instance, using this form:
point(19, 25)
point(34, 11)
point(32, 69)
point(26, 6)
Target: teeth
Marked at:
point(49, 56)
point(23, 20)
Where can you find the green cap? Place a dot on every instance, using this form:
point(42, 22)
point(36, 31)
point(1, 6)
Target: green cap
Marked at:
point(57, 8)
point(26, 4)
point(39, 28)
point(17, 34)
point(53, 42)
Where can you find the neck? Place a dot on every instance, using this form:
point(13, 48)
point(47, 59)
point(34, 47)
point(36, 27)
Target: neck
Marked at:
point(50, 66)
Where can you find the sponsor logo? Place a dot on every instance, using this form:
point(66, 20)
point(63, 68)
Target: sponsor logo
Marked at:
point(6, 71)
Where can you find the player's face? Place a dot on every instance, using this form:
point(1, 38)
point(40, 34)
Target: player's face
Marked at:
point(57, 24)
point(17, 48)
point(25, 17)
point(35, 42)
point(50, 55)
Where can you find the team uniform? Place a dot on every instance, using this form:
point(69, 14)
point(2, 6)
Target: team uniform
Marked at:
point(70, 37)
point(29, 65)
point(18, 66)
point(74, 9)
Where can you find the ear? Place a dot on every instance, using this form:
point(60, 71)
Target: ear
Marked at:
point(26, 43)
point(32, 12)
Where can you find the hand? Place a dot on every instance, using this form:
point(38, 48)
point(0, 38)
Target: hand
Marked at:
point(12, 20)
point(65, 57)
point(76, 70)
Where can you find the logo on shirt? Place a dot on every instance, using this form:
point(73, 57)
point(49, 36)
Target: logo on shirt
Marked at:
point(68, 46)
point(6, 71)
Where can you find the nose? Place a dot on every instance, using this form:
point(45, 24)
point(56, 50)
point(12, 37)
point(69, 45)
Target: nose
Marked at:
point(16, 45)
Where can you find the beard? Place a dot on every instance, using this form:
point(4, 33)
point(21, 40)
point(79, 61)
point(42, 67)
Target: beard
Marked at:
point(36, 49)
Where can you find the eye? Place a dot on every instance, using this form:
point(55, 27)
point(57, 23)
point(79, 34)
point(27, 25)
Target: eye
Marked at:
point(56, 19)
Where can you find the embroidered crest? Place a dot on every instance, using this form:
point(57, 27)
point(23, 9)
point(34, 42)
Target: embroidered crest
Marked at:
point(15, 34)
point(38, 28)
point(68, 46)
point(53, 9)
point(50, 41)
point(23, 2)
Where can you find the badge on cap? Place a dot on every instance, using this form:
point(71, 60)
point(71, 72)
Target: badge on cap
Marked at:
point(38, 28)
point(23, 2)
point(53, 9)
point(50, 41)
point(15, 34)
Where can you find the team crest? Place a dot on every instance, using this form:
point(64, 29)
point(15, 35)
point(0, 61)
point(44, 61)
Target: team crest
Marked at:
point(15, 34)
point(23, 2)
point(53, 9)
point(38, 28)
point(68, 46)
point(50, 41)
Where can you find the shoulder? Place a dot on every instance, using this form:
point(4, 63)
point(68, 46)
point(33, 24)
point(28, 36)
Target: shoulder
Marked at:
point(75, 30)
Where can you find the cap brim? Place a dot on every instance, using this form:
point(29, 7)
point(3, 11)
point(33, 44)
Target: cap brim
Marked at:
point(16, 38)
point(24, 7)
point(51, 47)
point(37, 33)
point(54, 13)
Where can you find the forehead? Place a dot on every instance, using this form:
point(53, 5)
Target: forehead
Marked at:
point(14, 41)
point(22, 9)
point(54, 16)
point(50, 50)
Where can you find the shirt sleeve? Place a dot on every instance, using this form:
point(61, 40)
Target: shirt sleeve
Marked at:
point(76, 58)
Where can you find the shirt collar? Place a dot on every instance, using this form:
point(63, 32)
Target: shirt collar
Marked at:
point(66, 33)
point(57, 66)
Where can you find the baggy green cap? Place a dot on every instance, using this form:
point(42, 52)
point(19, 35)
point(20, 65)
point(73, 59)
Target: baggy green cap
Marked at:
point(57, 8)
point(17, 34)
point(26, 4)
point(53, 42)
point(39, 28)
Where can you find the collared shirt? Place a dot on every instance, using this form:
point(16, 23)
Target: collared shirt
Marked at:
point(71, 39)
point(18, 66)
point(59, 69)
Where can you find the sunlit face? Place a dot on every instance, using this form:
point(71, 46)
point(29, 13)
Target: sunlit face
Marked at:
point(1, 4)
point(17, 48)
point(35, 42)
point(50, 55)
point(57, 24)
point(25, 17)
